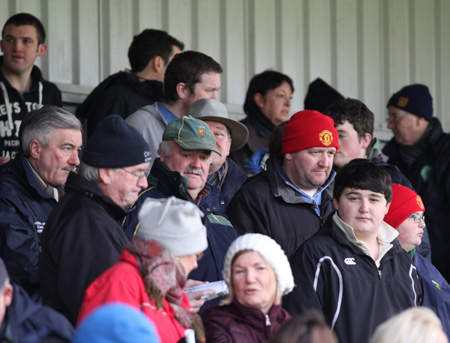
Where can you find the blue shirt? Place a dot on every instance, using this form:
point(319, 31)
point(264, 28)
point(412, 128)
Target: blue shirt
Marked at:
point(166, 113)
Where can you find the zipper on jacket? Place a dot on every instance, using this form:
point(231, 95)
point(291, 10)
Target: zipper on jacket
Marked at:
point(379, 274)
point(268, 325)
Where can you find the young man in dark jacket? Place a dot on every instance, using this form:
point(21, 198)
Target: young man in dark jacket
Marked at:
point(354, 266)
point(22, 87)
point(124, 92)
point(22, 320)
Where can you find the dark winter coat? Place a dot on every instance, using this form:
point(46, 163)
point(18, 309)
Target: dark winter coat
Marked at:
point(24, 209)
point(429, 175)
point(336, 277)
point(236, 323)
point(121, 93)
point(266, 205)
point(28, 322)
point(82, 238)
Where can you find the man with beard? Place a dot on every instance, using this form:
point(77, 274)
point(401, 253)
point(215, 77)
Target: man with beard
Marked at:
point(291, 199)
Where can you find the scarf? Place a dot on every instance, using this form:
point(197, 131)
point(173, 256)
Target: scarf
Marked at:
point(164, 277)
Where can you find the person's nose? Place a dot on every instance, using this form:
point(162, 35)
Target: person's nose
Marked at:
point(142, 182)
point(364, 208)
point(74, 159)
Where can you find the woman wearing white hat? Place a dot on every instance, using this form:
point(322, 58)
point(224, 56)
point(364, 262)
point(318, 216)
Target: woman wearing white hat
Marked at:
point(257, 273)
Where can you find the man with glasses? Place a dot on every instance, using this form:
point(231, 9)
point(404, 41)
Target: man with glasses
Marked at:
point(82, 236)
point(420, 149)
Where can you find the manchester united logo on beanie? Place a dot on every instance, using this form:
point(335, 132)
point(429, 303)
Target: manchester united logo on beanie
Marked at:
point(326, 137)
point(309, 129)
point(420, 202)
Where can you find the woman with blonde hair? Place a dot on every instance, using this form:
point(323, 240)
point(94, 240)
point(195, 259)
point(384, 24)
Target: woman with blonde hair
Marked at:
point(258, 274)
point(414, 325)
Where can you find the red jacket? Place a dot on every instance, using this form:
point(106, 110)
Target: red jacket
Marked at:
point(124, 283)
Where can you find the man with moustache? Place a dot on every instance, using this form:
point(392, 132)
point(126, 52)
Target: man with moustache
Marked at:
point(182, 171)
point(31, 185)
point(291, 199)
point(82, 236)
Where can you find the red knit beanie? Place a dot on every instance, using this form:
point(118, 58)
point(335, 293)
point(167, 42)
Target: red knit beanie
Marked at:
point(404, 203)
point(309, 129)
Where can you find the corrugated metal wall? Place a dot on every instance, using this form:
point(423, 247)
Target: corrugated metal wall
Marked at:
point(367, 49)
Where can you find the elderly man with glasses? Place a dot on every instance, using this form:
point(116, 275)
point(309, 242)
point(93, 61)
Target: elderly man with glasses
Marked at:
point(420, 149)
point(83, 237)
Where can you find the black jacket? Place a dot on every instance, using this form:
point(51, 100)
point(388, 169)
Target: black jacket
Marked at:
point(41, 93)
point(24, 209)
point(266, 205)
point(121, 93)
point(28, 322)
point(82, 238)
point(339, 279)
point(429, 175)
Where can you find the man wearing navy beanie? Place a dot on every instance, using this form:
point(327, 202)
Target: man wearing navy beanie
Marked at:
point(420, 149)
point(82, 236)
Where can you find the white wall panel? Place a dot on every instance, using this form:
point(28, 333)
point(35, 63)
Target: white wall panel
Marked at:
point(366, 49)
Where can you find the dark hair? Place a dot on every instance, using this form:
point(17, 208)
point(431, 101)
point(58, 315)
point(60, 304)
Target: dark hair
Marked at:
point(309, 327)
point(20, 19)
point(149, 44)
point(363, 174)
point(262, 83)
point(187, 67)
point(355, 112)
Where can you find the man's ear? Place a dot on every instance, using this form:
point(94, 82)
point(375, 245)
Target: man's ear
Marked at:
point(387, 207)
point(105, 175)
point(336, 204)
point(35, 149)
point(366, 140)
point(182, 90)
point(42, 49)
point(259, 100)
point(288, 156)
point(8, 294)
point(157, 64)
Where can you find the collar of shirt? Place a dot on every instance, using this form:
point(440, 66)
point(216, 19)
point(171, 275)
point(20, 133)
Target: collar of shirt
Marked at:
point(386, 234)
point(55, 192)
point(217, 178)
point(166, 113)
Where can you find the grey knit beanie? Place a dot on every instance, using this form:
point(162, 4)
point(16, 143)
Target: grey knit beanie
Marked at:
point(174, 223)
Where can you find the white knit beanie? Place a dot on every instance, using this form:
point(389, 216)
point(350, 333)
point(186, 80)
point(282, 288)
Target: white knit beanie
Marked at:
point(272, 253)
point(174, 223)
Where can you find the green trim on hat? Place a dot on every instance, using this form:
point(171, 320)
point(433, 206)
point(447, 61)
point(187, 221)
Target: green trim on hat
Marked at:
point(190, 134)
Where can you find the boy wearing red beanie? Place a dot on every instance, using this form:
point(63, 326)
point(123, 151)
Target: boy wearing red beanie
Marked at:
point(406, 215)
point(291, 200)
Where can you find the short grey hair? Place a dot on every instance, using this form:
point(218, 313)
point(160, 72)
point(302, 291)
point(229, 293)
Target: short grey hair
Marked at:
point(165, 148)
point(90, 173)
point(40, 124)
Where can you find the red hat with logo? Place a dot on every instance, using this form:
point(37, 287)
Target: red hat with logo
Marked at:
point(309, 129)
point(404, 203)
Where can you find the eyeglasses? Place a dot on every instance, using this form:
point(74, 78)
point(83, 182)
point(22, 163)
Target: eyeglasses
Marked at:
point(417, 217)
point(139, 175)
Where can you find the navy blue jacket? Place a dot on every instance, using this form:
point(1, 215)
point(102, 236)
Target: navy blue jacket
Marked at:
point(164, 183)
point(233, 181)
point(436, 290)
point(28, 322)
point(429, 175)
point(24, 209)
